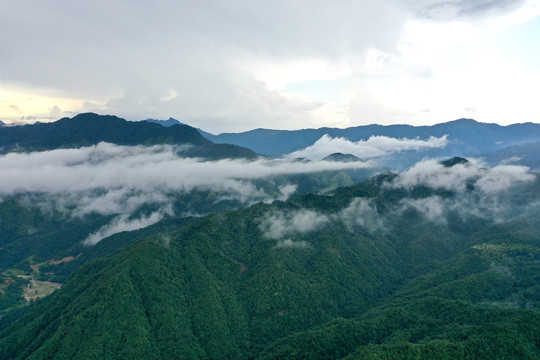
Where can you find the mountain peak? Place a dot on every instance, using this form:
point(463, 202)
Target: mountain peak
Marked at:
point(170, 122)
point(340, 157)
point(454, 161)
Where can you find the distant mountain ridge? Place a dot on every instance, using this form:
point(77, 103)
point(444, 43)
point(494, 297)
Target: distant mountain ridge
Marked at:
point(170, 122)
point(525, 154)
point(90, 129)
point(466, 137)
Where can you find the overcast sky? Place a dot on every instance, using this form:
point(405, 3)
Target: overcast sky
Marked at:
point(241, 64)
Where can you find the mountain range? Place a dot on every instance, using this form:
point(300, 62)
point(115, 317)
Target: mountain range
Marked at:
point(233, 255)
point(90, 129)
point(166, 123)
point(466, 137)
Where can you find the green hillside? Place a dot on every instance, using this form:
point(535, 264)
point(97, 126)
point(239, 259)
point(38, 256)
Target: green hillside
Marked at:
point(355, 275)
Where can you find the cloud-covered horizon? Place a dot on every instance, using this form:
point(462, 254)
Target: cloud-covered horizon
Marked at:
point(234, 66)
point(374, 147)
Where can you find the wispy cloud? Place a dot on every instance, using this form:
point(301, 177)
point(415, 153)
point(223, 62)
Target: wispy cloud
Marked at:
point(288, 243)
point(458, 178)
point(361, 212)
point(278, 224)
point(125, 223)
point(118, 180)
point(478, 191)
point(374, 147)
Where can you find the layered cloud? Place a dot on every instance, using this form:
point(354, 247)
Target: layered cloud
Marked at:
point(118, 180)
point(374, 147)
point(148, 169)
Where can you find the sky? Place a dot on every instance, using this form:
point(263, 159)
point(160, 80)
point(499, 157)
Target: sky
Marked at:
point(236, 65)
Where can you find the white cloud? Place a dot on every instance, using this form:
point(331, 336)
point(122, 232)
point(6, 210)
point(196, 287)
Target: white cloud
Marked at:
point(118, 180)
point(363, 212)
point(288, 243)
point(154, 169)
point(286, 191)
point(479, 191)
point(374, 147)
point(278, 224)
point(434, 208)
point(433, 174)
point(124, 223)
point(502, 177)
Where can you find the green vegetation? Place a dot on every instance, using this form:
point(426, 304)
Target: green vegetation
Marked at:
point(91, 129)
point(316, 277)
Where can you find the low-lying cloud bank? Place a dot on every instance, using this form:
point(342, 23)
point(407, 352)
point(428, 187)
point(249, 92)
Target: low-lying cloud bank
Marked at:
point(156, 168)
point(276, 225)
point(460, 177)
point(374, 147)
point(470, 191)
point(281, 225)
point(118, 180)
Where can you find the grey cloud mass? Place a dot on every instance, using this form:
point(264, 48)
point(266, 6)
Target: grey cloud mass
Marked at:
point(187, 59)
point(451, 9)
point(201, 61)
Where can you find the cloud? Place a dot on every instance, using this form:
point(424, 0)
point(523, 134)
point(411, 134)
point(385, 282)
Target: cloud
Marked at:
point(288, 243)
point(278, 224)
point(434, 208)
point(109, 179)
point(459, 177)
point(479, 191)
point(124, 223)
point(502, 177)
point(148, 169)
point(281, 224)
point(361, 212)
point(196, 61)
point(286, 191)
point(374, 147)
point(446, 10)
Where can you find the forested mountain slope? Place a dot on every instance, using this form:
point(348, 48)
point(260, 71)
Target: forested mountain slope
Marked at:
point(366, 273)
point(91, 129)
